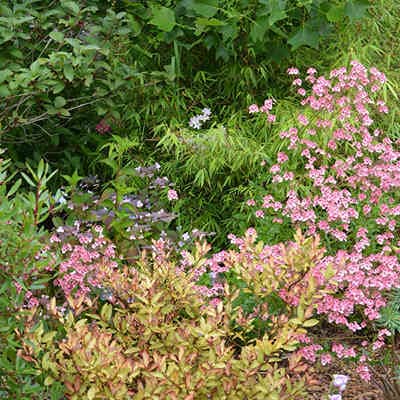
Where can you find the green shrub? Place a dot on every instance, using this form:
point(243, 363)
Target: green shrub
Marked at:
point(63, 65)
point(22, 273)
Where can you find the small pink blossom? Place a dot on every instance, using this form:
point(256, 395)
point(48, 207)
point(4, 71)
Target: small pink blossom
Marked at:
point(172, 195)
point(259, 214)
point(292, 71)
point(253, 108)
point(363, 372)
point(302, 119)
point(282, 157)
point(326, 359)
point(103, 127)
point(297, 82)
point(301, 91)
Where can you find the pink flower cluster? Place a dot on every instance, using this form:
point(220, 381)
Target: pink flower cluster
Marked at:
point(353, 172)
point(85, 255)
point(265, 108)
point(172, 195)
point(103, 127)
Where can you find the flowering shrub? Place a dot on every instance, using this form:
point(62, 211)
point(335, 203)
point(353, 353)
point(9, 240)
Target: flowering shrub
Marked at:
point(339, 177)
point(23, 273)
point(135, 209)
point(169, 336)
point(82, 255)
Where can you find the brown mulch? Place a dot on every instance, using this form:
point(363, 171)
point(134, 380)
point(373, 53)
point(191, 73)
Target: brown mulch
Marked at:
point(356, 388)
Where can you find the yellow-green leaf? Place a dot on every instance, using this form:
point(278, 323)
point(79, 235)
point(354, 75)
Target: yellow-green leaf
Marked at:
point(311, 322)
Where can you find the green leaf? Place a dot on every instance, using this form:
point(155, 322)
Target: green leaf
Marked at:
point(91, 394)
point(206, 8)
point(4, 74)
point(71, 5)
point(28, 179)
point(305, 36)
point(258, 29)
point(69, 72)
point(59, 102)
point(277, 11)
point(229, 31)
point(40, 169)
point(335, 14)
point(57, 36)
point(64, 112)
point(58, 87)
point(356, 9)
point(209, 22)
point(163, 18)
point(311, 322)
point(14, 188)
point(4, 91)
point(48, 381)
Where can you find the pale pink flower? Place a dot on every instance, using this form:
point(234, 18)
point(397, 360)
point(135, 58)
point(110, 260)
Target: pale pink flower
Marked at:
point(292, 71)
point(301, 91)
point(259, 214)
point(253, 109)
point(172, 195)
point(302, 119)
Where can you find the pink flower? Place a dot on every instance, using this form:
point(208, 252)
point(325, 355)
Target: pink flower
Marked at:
point(282, 157)
point(297, 82)
point(253, 109)
point(172, 195)
point(326, 359)
point(363, 372)
point(275, 169)
point(259, 214)
point(311, 71)
point(303, 119)
point(103, 127)
point(292, 71)
point(268, 104)
point(301, 91)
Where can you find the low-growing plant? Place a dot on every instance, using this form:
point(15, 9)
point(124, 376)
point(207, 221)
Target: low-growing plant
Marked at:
point(158, 334)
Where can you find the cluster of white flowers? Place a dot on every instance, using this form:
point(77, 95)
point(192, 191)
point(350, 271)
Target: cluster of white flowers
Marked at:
point(339, 382)
point(197, 121)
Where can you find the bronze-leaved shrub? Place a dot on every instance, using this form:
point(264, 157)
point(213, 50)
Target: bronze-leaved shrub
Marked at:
point(158, 336)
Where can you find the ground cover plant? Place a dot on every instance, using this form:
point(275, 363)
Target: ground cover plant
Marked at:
point(187, 229)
